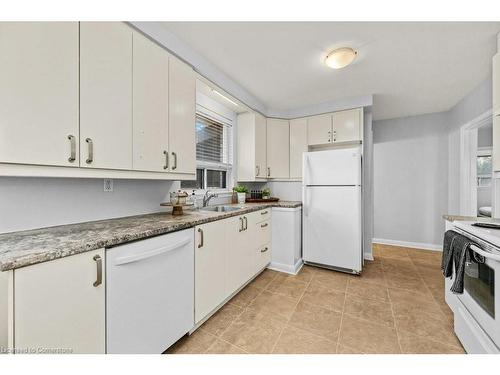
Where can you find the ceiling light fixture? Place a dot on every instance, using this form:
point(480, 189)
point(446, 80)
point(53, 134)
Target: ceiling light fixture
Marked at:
point(225, 97)
point(340, 57)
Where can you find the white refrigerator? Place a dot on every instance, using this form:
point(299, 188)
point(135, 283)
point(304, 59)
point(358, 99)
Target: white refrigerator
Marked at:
point(331, 195)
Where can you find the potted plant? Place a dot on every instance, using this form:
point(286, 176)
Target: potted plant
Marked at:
point(266, 193)
point(241, 191)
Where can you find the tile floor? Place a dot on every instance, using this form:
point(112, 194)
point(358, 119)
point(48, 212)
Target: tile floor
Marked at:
point(396, 306)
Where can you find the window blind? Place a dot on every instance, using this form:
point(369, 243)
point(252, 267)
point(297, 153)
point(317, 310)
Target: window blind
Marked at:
point(212, 141)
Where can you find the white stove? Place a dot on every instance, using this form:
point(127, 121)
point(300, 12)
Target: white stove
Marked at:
point(477, 310)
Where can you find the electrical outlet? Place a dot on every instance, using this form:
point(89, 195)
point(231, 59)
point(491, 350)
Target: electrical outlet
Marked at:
point(108, 184)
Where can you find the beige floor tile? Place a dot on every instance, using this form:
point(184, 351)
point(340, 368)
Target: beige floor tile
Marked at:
point(196, 343)
point(317, 320)
point(387, 251)
point(405, 301)
point(361, 288)
point(305, 274)
point(254, 331)
point(263, 280)
point(297, 341)
point(366, 337)
point(245, 296)
point(219, 322)
point(427, 325)
point(330, 279)
point(318, 295)
point(223, 347)
point(287, 286)
point(393, 268)
point(373, 274)
point(274, 303)
point(370, 309)
point(407, 282)
point(342, 349)
point(413, 344)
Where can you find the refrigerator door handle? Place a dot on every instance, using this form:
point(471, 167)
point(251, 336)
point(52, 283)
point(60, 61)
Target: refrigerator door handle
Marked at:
point(306, 203)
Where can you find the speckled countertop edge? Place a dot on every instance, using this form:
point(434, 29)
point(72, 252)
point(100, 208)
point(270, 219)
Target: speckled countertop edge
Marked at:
point(470, 218)
point(25, 248)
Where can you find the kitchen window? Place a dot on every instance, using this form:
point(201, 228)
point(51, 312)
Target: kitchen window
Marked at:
point(213, 155)
point(484, 170)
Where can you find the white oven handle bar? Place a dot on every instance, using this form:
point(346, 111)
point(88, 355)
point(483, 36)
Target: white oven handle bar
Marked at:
point(485, 254)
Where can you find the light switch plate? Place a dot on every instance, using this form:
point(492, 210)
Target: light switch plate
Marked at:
point(108, 185)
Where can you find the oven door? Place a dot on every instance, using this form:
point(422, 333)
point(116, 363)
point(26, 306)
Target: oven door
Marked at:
point(481, 286)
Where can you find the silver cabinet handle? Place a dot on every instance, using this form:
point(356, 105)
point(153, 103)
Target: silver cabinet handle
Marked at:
point(264, 249)
point(241, 225)
point(329, 135)
point(264, 225)
point(90, 159)
point(200, 231)
point(98, 261)
point(174, 154)
point(263, 212)
point(334, 135)
point(166, 160)
point(72, 141)
point(258, 170)
point(268, 171)
point(246, 222)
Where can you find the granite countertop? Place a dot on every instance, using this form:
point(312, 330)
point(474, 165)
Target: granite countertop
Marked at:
point(470, 218)
point(20, 249)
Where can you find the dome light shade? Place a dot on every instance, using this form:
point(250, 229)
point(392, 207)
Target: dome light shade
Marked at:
point(340, 58)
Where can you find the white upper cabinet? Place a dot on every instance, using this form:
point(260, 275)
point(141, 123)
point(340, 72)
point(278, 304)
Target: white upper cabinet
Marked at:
point(347, 125)
point(298, 145)
point(278, 148)
point(182, 117)
point(105, 95)
point(150, 105)
point(39, 93)
point(251, 147)
point(319, 130)
point(496, 84)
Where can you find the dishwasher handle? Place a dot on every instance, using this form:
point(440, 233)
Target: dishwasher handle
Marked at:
point(149, 254)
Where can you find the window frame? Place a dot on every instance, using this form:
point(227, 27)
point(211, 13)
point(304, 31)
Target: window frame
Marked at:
point(229, 148)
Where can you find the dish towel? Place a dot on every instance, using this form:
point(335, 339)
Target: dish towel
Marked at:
point(456, 250)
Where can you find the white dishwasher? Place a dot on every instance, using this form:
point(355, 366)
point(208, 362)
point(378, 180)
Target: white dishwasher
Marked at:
point(149, 293)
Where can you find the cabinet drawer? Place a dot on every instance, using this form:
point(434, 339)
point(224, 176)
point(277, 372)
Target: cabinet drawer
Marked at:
point(263, 232)
point(263, 256)
point(263, 215)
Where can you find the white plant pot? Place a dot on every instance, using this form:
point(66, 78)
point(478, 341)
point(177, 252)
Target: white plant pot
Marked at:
point(241, 198)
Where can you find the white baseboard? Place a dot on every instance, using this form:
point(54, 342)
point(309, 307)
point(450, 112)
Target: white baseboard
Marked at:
point(286, 268)
point(415, 245)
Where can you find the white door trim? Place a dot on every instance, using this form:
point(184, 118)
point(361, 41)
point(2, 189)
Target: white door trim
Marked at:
point(468, 157)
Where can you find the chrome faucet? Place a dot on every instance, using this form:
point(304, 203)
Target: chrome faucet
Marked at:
point(206, 198)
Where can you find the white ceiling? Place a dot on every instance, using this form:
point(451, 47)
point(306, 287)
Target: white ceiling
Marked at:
point(410, 68)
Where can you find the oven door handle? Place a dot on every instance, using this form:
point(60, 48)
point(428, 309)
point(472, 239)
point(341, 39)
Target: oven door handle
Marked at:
point(485, 254)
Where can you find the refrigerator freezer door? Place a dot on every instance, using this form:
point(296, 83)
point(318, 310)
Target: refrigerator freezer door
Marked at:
point(332, 167)
point(332, 226)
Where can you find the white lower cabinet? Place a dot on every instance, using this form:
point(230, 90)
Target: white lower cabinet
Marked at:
point(210, 267)
point(60, 305)
point(229, 253)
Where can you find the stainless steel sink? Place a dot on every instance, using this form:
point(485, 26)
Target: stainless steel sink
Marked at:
point(221, 208)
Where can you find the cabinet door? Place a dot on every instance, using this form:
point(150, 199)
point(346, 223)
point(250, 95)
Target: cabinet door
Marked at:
point(105, 95)
point(496, 84)
point(150, 105)
point(39, 93)
point(319, 130)
point(298, 145)
point(496, 143)
point(278, 148)
point(347, 125)
point(58, 306)
point(182, 108)
point(260, 146)
point(209, 268)
point(239, 261)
